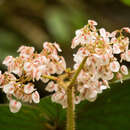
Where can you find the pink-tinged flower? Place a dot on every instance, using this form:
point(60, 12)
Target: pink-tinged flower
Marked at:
point(35, 97)
point(50, 48)
point(119, 76)
point(89, 61)
point(113, 34)
point(60, 66)
point(124, 69)
point(26, 51)
point(102, 32)
point(60, 97)
point(38, 71)
point(127, 29)
point(18, 94)
point(122, 57)
point(114, 66)
point(51, 68)
point(17, 71)
point(1, 78)
point(108, 34)
point(14, 106)
point(28, 66)
point(9, 88)
point(51, 86)
point(10, 76)
point(102, 59)
point(92, 22)
point(91, 94)
point(62, 63)
point(114, 40)
point(116, 48)
point(78, 32)
point(27, 98)
point(8, 60)
point(57, 47)
point(103, 87)
point(29, 88)
point(107, 75)
point(59, 69)
point(77, 100)
point(127, 55)
point(75, 43)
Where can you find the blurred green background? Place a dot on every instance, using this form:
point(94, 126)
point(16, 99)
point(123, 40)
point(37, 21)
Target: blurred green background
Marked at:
point(31, 22)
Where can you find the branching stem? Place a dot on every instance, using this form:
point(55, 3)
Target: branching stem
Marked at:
point(50, 77)
point(70, 98)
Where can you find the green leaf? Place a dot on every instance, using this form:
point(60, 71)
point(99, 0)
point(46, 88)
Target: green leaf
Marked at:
point(126, 2)
point(44, 116)
point(111, 111)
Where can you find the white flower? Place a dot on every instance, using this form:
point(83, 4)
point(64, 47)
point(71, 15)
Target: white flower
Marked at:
point(57, 47)
point(60, 97)
point(51, 86)
point(77, 100)
point(56, 97)
point(1, 78)
point(8, 60)
point(119, 76)
point(29, 88)
point(18, 94)
point(17, 71)
point(102, 59)
point(107, 75)
point(26, 51)
point(9, 88)
point(36, 97)
point(14, 106)
point(127, 55)
point(27, 98)
point(91, 94)
point(27, 66)
point(116, 49)
point(114, 66)
point(37, 72)
point(102, 32)
point(78, 32)
point(51, 68)
point(113, 34)
point(127, 29)
point(92, 22)
point(103, 87)
point(124, 70)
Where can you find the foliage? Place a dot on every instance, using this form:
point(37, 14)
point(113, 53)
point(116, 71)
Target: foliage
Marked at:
point(109, 111)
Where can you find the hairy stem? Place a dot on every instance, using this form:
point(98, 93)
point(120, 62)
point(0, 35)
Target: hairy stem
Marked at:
point(70, 98)
point(70, 109)
point(77, 72)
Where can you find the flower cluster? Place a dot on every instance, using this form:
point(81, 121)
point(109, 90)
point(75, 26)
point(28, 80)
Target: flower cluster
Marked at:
point(60, 93)
point(105, 52)
point(27, 68)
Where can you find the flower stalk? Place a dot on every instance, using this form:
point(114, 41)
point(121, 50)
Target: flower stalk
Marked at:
point(70, 98)
point(50, 77)
point(70, 109)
